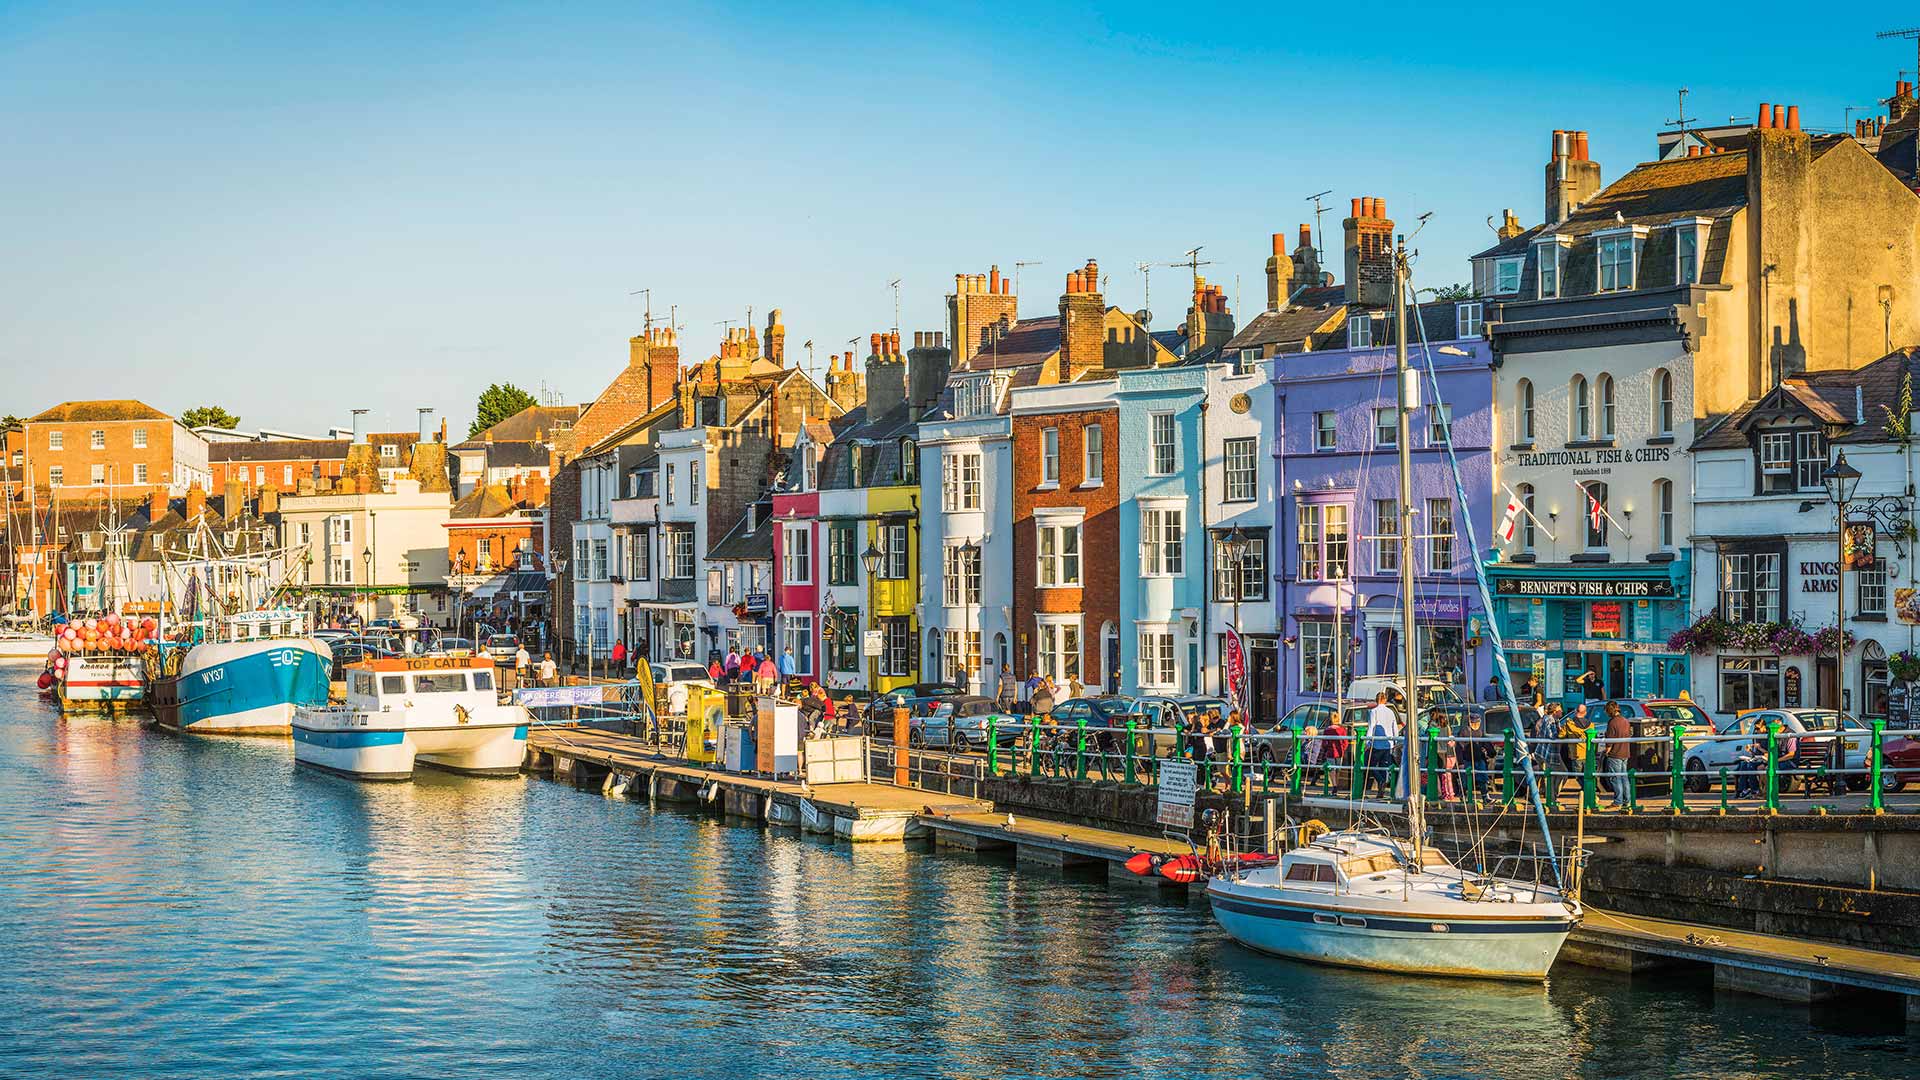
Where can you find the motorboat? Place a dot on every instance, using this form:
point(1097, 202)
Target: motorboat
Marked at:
point(22, 642)
point(245, 677)
point(1363, 899)
point(439, 711)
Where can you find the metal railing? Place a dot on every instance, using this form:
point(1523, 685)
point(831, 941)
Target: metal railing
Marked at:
point(1466, 770)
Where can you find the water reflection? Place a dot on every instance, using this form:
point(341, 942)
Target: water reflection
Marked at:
point(193, 907)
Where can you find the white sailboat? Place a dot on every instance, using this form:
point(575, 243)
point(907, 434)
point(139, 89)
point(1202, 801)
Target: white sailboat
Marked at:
point(1371, 898)
point(22, 635)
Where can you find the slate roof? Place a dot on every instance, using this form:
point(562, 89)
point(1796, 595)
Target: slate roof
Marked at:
point(114, 409)
point(516, 455)
point(1028, 342)
point(535, 423)
point(1827, 397)
point(744, 545)
point(1291, 328)
point(279, 450)
point(877, 442)
point(485, 501)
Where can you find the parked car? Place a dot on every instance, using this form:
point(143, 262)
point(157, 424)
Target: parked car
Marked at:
point(354, 651)
point(1106, 718)
point(502, 647)
point(448, 645)
point(1164, 712)
point(1800, 756)
point(1276, 742)
point(957, 723)
point(671, 679)
point(914, 698)
point(1899, 762)
point(1430, 691)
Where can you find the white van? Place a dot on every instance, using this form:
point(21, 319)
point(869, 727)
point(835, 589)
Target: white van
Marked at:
point(1430, 691)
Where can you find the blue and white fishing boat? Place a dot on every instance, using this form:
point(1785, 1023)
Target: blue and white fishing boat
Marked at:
point(244, 678)
point(1373, 897)
point(442, 711)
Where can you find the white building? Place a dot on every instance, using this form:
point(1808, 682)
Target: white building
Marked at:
point(378, 553)
point(966, 487)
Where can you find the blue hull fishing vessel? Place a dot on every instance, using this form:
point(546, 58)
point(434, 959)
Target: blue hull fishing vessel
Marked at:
point(245, 683)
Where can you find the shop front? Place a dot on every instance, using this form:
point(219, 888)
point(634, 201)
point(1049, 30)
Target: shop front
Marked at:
point(1589, 631)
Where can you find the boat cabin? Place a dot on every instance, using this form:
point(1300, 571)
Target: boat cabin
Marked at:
point(423, 681)
point(1339, 862)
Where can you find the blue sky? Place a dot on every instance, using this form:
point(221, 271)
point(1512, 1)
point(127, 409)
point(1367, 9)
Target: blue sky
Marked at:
point(299, 211)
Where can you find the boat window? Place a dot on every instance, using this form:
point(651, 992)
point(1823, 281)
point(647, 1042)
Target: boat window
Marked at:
point(1301, 871)
point(1324, 872)
point(483, 680)
point(444, 683)
point(393, 684)
point(1369, 864)
point(360, 682)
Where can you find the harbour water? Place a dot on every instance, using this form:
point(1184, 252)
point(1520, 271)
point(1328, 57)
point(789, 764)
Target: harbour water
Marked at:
point(196, 908)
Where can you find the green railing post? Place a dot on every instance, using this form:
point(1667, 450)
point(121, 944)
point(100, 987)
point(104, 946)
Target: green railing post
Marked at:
point(1236, 755)
point(1551, 779)
point(1724, 804)
point(1298, 778)
point(1033, 746)
point(1179, 740)
point(1773, 766)
point(1080, 749)
point(1131, 725)
point(1359, 764)
point(1506, 768)
point(993, 746)
point(1326, 768)
point(1875, 803)
point(1589, 782)
point(1677, 802)
point(1433, 762)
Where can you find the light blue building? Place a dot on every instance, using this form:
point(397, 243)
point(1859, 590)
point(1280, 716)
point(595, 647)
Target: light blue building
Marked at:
point(1163, 595)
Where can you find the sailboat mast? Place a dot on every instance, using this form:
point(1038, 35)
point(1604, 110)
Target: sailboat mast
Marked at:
point(1416, 816)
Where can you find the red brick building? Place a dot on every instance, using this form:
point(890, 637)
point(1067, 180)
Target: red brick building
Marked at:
point(119, 445)
point(1066, 531)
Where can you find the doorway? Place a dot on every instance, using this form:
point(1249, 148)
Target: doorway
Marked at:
point(1265, 668)
point(1617, 676)
point(1824, 682)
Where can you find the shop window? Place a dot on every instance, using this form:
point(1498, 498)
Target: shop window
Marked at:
point(1873, 589)
point(1750, 584)
point(1876, 679)
point(1316, 657)
point(1749, 682)
point(1440, 651)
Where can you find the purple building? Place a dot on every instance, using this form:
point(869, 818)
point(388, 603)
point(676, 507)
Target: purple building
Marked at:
point(1339, 477)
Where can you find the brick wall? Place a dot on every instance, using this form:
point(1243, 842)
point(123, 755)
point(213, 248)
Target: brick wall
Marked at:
point(978, 302)
point(120, 458)
point(1369, 251)
point(1083, 329)
point(563, 511)
point(1098, 598)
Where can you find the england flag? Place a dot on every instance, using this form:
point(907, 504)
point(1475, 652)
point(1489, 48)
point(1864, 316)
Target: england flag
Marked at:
point(1511, 520)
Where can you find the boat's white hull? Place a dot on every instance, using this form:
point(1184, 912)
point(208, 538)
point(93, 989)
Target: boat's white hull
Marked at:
point(102, 682)
point(1488, 946)
point(392, 753)
point(23, 646)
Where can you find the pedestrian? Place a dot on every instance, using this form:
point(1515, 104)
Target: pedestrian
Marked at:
point(1573, 752)
point(549, 674)
point(1449, 759)
point(1335, 739)
point(1075, 688)
point(765, 676)
point(1492, 691)
point(732, 668)
point(1617, 753)
point(1478, 750)
point(1033, 684)
point(1747, 769)
point(787, 667)
point(1008, 691)
point(1590, 684)
point(520, 662)
point(619, 656)
point(716, 671)
point(1041, 694)
point(1383, 736)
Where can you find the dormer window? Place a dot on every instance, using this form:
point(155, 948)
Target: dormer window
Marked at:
point(1689, 237)
point(1791, 460)
point(1360, 332)
point(1618, 252)
point(1467, 320)
point(1506, 274)
point(1549, 257)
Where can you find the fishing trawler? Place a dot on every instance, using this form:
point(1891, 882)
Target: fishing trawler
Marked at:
point(441, 711)
point(1372, 897)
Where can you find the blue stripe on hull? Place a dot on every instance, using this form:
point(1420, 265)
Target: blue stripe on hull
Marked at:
point(347, 740)
point(279, 674)
point(1405, 926)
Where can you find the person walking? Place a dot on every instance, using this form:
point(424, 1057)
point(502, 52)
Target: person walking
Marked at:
point(1075, 688)
point(788, 667)
point(1383, 738)
point(732, 667)
point(765, 676)
point(1042, 695)
point(1008, 691)
point(1573, 752)
point(549, 673)
point(1335, 739)
point(1616, 755)
point(618, 657)
point(1477, 750)
point(520, 662)
point(1492, 690)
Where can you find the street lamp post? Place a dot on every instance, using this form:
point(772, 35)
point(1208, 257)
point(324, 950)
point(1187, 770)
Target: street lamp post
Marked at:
point(870, 559)
point(459, 592)
point(366, 561)
point(1841, 480)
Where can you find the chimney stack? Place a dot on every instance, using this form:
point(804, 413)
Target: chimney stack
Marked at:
point(197, 499)
point(1306, 263)
point(927, 367)
point(426, 423)
point(156, 504)
point(269, 499)
point(886, 376)
point(232, 497)
point(1572, 177)
point(1779, 245)
point(657, 356)
point(1369, 254)
point(359, 427)
point(981, 308)
point(1083, 318)
point(1279, 273)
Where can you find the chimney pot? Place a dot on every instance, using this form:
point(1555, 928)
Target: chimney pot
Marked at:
point(1306, 236)
point(893, 343)
point(1279, 243)
point(1580, 145)
point(1780, 117)
point(873, 344)
point(1765, 119)
point(1356, 209)
point(993, 280)
point(1793, 118)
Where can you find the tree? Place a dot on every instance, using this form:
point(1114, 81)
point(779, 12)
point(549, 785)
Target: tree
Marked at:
point(1461, 291)
point(497, 402)
point(209, 416)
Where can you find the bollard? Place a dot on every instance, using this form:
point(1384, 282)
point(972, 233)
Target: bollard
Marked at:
point(1678, 801)
point(1773, 767)
point(1033, 747)
point(1724, 805)
point(1298, 778)
point(902, 751)
point(1875, 797)
point(993, 747)
point(1590, 775)
point(1236, 752)
point(1131, 725)
point(1359, 764)
point(1506, 769)
point(1080, 750)
point(1433, 762)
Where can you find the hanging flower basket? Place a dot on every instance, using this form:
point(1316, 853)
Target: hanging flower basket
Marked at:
point(1904, 665)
